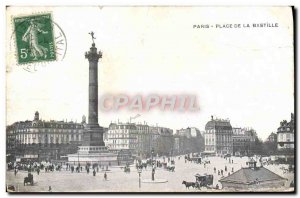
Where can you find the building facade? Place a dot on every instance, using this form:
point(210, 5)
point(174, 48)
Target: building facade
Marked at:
point(218, 137)
point(243, 141)
point(164, 142)
point(139, 139)
point(184, 132)
point(122, 136)
point(143, 139)
point(285, 135)
point(43, 140)
point(189, 140)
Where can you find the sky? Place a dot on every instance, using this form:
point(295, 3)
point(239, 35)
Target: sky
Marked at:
point(244, 74)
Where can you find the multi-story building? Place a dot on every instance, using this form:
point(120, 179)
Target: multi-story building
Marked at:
point(154, 137)
point(195, 132)
point(240, 142)
point(188, 140)
point(218, 137)
point(43, 140)
point(139, 138)
point(184, 132)
point(143, 136)
point(285, 135)
point(122, 136)
point(243, 141)
point(165, 141)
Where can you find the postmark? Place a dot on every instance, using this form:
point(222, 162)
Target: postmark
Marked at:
point(34, 38)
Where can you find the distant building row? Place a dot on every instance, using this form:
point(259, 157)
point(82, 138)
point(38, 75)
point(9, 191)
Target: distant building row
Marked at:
point(45, 140)
point(54, 139)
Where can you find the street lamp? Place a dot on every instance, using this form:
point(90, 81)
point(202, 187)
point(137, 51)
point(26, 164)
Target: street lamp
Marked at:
point(78, 158)
point(153, 171)
point(139, 171)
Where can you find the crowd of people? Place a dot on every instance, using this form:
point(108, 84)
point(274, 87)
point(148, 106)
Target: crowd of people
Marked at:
point(45, 166)
point(164, 163)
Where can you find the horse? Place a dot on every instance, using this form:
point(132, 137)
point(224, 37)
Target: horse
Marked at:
point(189, 184)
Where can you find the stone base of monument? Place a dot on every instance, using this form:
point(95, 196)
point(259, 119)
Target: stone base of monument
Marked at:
point(94, 155)
point(154, 181)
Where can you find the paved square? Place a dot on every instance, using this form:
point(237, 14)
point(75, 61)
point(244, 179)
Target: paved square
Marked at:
point(118, 180)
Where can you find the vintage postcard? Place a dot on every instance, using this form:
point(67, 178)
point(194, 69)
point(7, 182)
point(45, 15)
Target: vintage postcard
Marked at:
point(174, 99)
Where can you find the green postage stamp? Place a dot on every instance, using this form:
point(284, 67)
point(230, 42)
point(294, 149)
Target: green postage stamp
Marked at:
point(34, 38)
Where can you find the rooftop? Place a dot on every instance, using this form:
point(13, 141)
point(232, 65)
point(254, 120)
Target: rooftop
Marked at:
point(219, 124)
point(251, 176)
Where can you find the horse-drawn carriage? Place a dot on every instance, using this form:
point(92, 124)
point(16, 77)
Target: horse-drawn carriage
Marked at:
point(28, 179)
point(204, 181)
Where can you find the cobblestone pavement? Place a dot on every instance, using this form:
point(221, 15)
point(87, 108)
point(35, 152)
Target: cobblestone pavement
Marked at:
point(118, 180)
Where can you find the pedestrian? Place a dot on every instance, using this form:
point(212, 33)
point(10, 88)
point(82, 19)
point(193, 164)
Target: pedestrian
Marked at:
point(105, 176)
point(218, 172)
point(228, 173)
point(94, 173)
point(222, 172)
point(232, 161)
point(215, 169)
point(225, 168)
point(232, 169)
point(38, 171)
point(87, 170)
point(16, 170)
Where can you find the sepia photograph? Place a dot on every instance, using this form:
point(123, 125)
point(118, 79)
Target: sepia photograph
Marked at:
point(150, 99)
